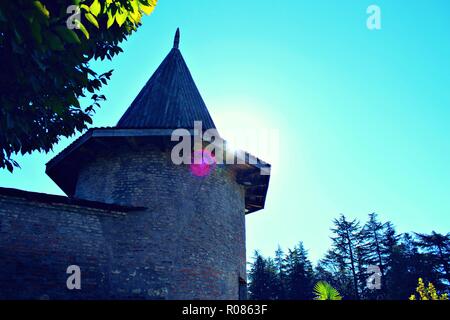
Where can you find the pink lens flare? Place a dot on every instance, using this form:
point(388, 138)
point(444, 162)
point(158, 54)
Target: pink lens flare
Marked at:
point(206, 165)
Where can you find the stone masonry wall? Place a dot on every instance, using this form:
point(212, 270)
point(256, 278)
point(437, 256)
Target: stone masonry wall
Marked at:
point(38, 241)
point(188, 244)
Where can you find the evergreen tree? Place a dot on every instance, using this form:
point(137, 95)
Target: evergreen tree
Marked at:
point(377, 243)
point(257, 289)
point(322, 273)
point(263, 278)
point(336, 273)
point(390, 242)
point(402, 260)
point(406, 266)
point(345, 240)
point(372, 234)
point(363, 261)
point(281, 274)
point(271, 279)
point(299, 274)
point(437, 246)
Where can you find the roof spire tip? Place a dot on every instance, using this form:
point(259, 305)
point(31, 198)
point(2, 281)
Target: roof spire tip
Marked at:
point(176, 41)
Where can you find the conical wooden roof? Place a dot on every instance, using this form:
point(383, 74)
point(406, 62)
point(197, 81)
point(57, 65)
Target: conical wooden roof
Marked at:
point(169, 100)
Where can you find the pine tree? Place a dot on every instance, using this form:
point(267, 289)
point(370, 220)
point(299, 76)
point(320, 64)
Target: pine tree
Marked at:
point(377, 244)
point(263, 278)
point(271, 280)
point(390, 242)
point(437, 246)
point(372, 233)
point(322, 273)
point(336, 273)
point(402, 260)
point(257, 287)
point(363, 261)
point(281, 274)
point(345, 240)
point(299, 274)
point(406, 266)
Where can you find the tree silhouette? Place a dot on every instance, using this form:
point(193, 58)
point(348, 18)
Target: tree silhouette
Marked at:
point(45, 54)
point(346, 238)
point(438, 247)
point(403, 258)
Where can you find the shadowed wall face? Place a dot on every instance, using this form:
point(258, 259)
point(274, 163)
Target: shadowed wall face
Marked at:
point(189, 243)
point(38, 241)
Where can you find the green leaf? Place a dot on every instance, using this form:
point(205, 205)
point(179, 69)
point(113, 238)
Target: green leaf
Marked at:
point(111, 19)
point(41, 8)
point(67, 35)
point(84, 30)
point(134, 5)
point(95, 7)
point(54, 42)
point(121, 16)
point(73, 101)
point(135, 14)
point(36, 31)
point(9, 166)
point(58, 108)
point(92, 19)
point(147, 9)
point(324, 291)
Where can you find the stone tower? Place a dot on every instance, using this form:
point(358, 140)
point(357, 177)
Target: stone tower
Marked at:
point(187, 240)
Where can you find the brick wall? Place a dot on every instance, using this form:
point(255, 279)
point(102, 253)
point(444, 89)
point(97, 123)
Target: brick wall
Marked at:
point(188, 244)
point(192, 236)
point(38, 241)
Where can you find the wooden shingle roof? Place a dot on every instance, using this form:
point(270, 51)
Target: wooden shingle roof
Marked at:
point(170, 99)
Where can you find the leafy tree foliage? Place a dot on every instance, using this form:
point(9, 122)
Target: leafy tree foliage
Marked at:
point(409, 264)
point(427, 293)
point(401, 258)
point(45, 50)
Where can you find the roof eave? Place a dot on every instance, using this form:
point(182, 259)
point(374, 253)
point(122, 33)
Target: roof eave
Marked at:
point(63, 168)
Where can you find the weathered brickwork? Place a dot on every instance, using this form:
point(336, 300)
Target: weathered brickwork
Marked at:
point(188, 244)
point(192, 236)
point(39, 241)
point(138, 226)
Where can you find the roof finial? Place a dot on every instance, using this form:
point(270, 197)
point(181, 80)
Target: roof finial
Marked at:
point(176, 41)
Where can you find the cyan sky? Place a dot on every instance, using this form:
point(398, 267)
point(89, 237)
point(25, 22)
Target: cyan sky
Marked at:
point(363, 116)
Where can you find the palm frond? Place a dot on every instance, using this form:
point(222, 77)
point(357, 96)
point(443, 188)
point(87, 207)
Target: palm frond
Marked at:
point(324, 291)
